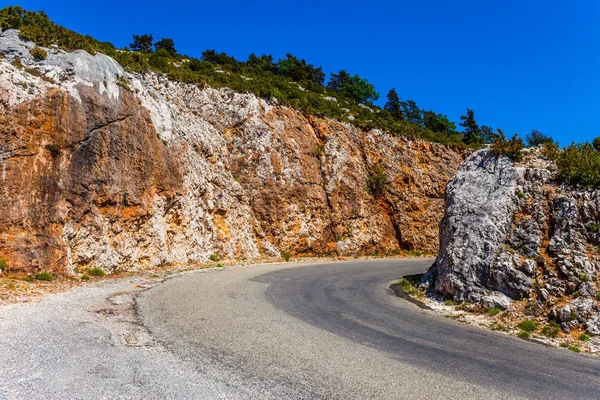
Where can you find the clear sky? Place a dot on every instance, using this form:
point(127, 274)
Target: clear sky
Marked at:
point(520, 65)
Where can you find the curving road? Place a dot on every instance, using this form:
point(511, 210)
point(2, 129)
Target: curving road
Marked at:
point(335, 330)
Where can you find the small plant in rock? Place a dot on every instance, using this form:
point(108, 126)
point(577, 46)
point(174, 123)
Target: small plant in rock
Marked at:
point(498, 327)
point(598, 297)
point(494, 311)
point(528, 325)
point(16, 62)
point(532, 309)
point(574, 349)
point(378, 180)
point(38, 53)
point(2, 264)
point(449, 302)
point(286, 256)
point(521, 194)
point(96, 272)
point(85, 277)
point(44, 276)
point(122, 82)
point(410, 283)
point(593, 227)
point(551, 330)
point(219, 265)
point(214, 258)
point(29, 278)
point(573, 315)
point(584, 337)
point(318, 151)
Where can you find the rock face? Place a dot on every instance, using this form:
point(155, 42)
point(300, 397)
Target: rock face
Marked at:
point(102, 168)
point(511, 233)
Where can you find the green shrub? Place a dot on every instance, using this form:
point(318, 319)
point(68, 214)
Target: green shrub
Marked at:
point(377, 180)
point(494, 311)
point(593, 227)
point(520, 194)
point(286, 256)
point(85, 277)
point(551, 330)
point(29, 278)
point(96, 272)
point(410, 284)
point(528, 325)
point(219, 265)
point(523, 335)
point(573, 315)
point(550, 150)
point(579, 164)
point(574, 349)
point(214, 258)
point(598, 296)
point(449, 302)
point(2, 264)
point(44, 276)
point(38, 53)
point(584, 337)
point(511, 148)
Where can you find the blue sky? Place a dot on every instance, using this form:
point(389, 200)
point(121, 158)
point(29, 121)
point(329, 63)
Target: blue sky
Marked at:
point(520, 65)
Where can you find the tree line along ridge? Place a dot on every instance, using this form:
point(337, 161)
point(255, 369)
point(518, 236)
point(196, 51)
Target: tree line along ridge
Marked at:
point(296, 83)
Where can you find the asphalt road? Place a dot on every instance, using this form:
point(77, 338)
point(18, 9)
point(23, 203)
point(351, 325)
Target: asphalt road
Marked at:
point(278, 331)
point(335, 330)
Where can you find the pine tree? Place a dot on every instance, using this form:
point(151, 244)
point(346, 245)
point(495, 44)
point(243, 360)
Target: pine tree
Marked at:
point(167, 44)
point(353, 87)
point(472, 132)
point(393, 104)
point(487, 134)
point(142, 43)
point(412, 112)
point(535, 138)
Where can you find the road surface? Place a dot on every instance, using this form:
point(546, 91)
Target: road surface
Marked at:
point(278, 331)
point(336, 331)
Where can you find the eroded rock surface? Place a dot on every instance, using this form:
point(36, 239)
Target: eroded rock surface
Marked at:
point(103, 168)
point(510, 232)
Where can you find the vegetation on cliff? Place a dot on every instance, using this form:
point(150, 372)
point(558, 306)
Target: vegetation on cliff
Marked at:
point(290, 81)
point(296, 83)
point(578, 164)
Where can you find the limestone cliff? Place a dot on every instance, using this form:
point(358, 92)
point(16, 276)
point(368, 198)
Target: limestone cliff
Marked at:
point(512, 237)
point(102, 168)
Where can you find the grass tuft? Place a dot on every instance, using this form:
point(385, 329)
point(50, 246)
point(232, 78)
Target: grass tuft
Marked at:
point(494, 311)
point(96, 272)
point(44, 276)
point(528, 325)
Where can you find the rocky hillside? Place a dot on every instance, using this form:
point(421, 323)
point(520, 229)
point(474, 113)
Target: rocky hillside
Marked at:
point(515, 239)
point(103, 168)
